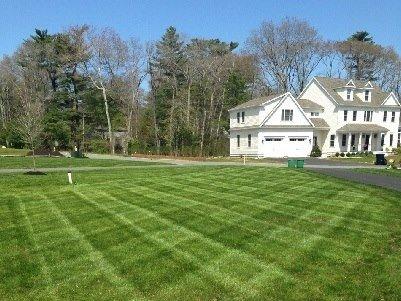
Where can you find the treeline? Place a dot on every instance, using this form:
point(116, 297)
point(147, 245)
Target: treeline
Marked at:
point(88, 89)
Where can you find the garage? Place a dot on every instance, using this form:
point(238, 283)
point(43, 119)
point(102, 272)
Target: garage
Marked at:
point(286, 146)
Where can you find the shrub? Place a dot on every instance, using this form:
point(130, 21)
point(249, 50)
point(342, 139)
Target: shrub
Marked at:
point(342, 155)
point(348, 155)
point(316, 152)
point(397, 151)
point(370, 153)
point(99, 146)
point(337, 154)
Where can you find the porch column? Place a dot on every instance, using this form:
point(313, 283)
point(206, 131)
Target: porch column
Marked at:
point(359, 148)
point(370, 142)
point(349, 142)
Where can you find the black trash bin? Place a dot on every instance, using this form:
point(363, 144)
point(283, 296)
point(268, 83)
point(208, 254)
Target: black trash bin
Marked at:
point(380, 160)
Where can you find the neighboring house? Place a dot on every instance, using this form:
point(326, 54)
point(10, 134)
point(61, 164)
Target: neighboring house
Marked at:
point(334, 114)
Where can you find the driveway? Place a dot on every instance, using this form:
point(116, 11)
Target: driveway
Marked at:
point(389, 182)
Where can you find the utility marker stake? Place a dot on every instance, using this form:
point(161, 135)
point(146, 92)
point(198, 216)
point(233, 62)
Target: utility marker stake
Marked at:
point(69, 176)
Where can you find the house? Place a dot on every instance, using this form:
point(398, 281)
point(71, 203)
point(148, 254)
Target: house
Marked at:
point(336, 115)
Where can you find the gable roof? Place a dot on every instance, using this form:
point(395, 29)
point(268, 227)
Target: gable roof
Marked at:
point(309, 104)
point(281, 100)
point(319, 123)
point(331, 84)
point(257, 102)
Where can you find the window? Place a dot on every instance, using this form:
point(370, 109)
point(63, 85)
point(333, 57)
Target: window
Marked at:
point(332, 138)
point(314, 114)
point(344, 140)
point(392, 116)
point(297, 139)
point(367, 95)
point(274, 139)
point(349, 93)
point(353, 140)
point(249, 140)
point(354, 114)
point(238, 117)
point(238, 140)
point(382, 140)
point(286, 115)
point(385, 116)
point(391, 139)
point(314, 140)
point(345, 115)
point(368, 116)
point(399, 139)
point(243, 117)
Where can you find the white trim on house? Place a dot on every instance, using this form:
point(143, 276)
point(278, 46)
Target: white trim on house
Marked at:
point(263, 120)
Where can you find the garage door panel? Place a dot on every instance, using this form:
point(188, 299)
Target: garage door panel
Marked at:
point(288, 146)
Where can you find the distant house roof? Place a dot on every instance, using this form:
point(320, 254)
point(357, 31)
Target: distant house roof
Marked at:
point(362, 127)
point(309, 104)
point(331, 84)
point(319, 123)
point(256, 102)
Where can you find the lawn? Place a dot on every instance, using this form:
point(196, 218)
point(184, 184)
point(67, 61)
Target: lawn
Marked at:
point(369, 159)
point(198, 233)
point(13, 152)
point(48, 162)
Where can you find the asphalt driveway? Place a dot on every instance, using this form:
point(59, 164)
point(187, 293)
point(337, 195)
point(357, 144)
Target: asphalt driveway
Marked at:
point(385, 181)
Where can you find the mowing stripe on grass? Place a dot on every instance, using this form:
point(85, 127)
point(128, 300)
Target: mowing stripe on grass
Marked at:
point(210, 271)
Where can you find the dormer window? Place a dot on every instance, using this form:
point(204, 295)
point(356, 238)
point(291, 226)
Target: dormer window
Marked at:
point(367, 95)
point(349, 94)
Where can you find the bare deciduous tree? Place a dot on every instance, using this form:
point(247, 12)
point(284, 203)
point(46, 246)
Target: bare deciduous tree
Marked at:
point(287, 53)
point(108, 54)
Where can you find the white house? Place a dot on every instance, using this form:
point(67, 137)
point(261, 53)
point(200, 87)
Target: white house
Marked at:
point(336, 115)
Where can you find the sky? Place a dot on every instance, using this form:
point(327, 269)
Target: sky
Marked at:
point(228, 20)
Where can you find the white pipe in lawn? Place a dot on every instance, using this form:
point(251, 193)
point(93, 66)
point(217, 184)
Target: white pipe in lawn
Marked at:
point(69, 177)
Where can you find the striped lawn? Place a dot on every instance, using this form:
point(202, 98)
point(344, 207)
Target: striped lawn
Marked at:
point(50, 162)
point(197, 233)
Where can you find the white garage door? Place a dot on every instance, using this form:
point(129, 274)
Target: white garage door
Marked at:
point(297, 147)
point(278, 147)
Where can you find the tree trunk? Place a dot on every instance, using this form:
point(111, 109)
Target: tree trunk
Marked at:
point(106, 107)
point(189, 104)
point(34, 158)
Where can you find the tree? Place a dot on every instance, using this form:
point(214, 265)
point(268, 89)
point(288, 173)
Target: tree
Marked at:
point(29, 121)
point(108, 54)
point(287, 53)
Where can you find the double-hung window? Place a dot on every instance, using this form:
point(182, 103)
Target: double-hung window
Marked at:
point(243, 117)
point(287, 115)
point(385, 116)
point(349, 93)
point(367, 95)
point(391, 139)
point(249, 140)
point(344, 140)
point(238, 117)
point(332, 138)
point(368, 115)
point(382, 139)
point(354, 114)
point(392, 116)
point(238, 140)
point(345, 115)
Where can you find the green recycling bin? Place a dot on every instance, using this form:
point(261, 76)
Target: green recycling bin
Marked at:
point(300, 163)
point(292, 163)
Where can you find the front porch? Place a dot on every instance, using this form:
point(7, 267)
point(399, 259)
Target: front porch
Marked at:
point(358, 142)
point(361, 137)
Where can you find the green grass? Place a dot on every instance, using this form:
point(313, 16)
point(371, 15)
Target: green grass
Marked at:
point(385, 172)
point(198, 233)
point(369, 159)
point(13, 152)
point(48, 162)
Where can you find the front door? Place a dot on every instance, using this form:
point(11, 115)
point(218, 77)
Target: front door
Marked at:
point(366, 144)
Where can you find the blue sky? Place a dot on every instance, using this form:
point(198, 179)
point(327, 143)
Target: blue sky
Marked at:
point(224, 19)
